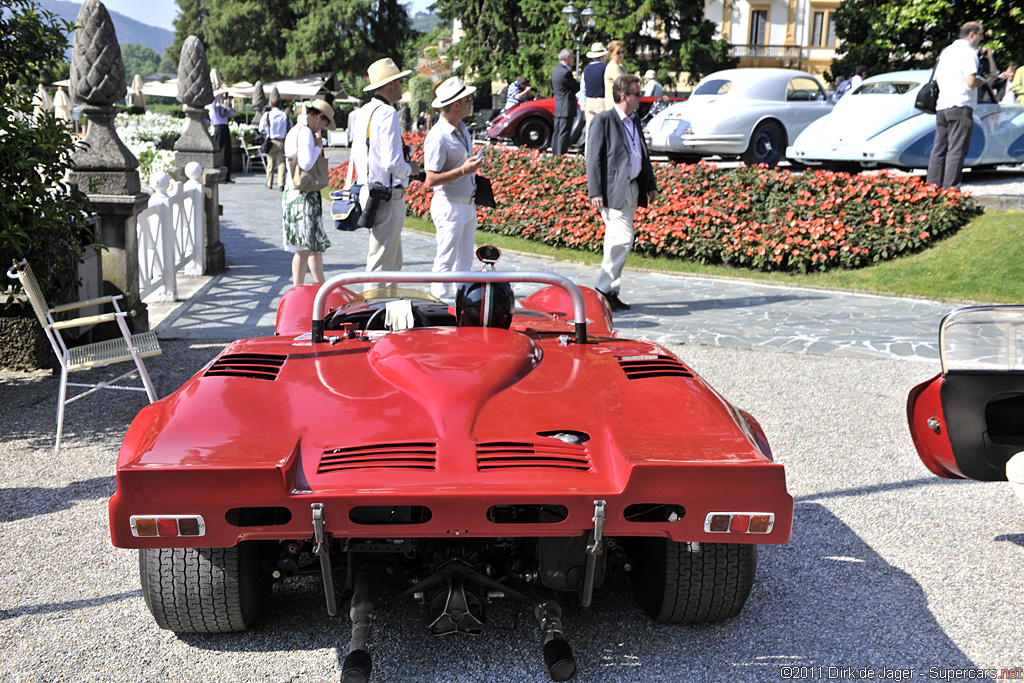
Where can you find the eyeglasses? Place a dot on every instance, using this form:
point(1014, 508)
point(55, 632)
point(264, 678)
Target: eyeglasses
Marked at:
point(634, 93)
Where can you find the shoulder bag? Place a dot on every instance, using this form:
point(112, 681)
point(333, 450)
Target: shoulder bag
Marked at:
point(313, 180)
point(345, 208)
point(928, 95)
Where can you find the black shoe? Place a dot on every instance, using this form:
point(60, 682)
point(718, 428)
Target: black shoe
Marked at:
point(229, 180)
point(615, 302)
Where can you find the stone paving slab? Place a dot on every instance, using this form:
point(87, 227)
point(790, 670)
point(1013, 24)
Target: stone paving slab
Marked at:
point(666, 307)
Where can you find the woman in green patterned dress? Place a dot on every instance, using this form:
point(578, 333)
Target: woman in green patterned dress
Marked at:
point(304, 233)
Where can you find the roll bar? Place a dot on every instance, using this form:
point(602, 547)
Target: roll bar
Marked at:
point(402, 277)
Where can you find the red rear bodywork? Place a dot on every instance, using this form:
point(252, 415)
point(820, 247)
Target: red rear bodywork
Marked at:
point(453, 420)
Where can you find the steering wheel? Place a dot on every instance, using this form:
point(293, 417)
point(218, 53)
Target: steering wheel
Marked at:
point(376, 321)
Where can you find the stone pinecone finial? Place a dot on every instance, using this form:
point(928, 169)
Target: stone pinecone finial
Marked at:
point(97, 70)
point(259, 98)
point(194, 86)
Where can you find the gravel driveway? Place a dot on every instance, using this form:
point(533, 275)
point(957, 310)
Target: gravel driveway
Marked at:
point(888, 566)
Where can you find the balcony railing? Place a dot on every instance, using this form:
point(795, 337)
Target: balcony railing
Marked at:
point(779, 52)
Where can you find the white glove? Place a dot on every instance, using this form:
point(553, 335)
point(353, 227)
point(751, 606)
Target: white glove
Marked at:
point(398, 315)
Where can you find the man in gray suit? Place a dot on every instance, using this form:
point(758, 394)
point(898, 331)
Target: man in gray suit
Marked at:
point(565, 87)
point(619, 178)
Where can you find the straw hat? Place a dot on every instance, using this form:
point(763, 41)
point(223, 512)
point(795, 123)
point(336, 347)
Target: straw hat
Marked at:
point(325, 109)
point(382, 72)
point(597, 50)
point(451, 91)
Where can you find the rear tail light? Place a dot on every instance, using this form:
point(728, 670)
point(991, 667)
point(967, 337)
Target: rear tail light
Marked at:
point(739, 522)
point(167, 525)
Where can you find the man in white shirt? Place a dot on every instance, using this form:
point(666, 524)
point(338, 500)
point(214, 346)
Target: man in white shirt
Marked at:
point(957, 77)
point(379, 159)
point(451, 172)
point(275, 124)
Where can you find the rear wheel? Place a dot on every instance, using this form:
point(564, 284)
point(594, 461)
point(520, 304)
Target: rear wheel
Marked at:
point(766, 145)
point(204, 590)
point(534, 133)
point(692, 583)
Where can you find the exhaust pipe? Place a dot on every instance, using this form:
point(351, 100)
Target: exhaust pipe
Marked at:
point(557, 653)
point(358, 665)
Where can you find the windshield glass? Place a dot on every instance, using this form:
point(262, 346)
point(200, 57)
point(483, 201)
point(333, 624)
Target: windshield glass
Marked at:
point(716, 86)
point(392, 293)
point(886, 88)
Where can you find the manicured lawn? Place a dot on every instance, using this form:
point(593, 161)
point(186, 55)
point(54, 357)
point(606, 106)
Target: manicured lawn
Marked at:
point(982, 262)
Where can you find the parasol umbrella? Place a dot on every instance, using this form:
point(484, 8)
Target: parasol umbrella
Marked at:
point(62, 105)
point(41, 101)
point(135, 98)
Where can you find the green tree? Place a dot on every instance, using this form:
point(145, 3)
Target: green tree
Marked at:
point(189, 22)
point(245, 39)
point(139, 59)
point(523, 37)
point(43, 216)
point(346, 35)
point(889, 35)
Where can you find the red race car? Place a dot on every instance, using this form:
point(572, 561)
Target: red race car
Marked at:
point(967, 422)
point(531, 123)
point(491, 449)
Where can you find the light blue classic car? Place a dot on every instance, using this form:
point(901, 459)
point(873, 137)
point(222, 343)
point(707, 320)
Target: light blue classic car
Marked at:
point(747, 113)
point(876, 125)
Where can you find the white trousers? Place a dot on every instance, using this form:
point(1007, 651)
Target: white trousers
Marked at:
point(618, 240)
point(385, 252)
point(455, 226)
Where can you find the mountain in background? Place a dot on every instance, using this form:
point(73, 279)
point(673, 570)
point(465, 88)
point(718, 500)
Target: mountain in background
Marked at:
point(128, 30)
point(424, 22)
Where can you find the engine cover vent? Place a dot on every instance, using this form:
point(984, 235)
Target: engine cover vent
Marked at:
point(494, 455)
point(252, 365)
point(647, 366)
point(415, 455)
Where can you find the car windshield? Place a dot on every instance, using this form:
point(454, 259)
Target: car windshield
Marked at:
point(716, 86)
point(392, 293)
point(886, 88)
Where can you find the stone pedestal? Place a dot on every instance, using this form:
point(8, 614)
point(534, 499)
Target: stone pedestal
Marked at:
point(119, 234)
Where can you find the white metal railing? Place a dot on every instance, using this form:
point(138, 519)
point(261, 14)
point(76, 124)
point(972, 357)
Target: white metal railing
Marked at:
point(171, 232)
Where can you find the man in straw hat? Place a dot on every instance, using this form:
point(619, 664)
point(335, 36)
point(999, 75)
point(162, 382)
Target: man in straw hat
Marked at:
point(593, 81)
point(379, 159)
point(451, 172)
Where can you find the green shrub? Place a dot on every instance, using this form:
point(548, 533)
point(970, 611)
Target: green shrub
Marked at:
point(43, 217)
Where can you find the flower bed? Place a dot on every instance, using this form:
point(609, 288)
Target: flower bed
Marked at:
point(758, 218)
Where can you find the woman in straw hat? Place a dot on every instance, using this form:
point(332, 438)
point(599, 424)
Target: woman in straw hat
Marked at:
point(304, 233)
point(451, 172)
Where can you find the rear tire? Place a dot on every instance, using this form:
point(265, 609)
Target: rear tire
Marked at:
point(204, 590)
point(534, 133)
point(693, 583)
point(767, 145)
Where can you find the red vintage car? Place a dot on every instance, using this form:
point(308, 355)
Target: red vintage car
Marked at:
point(531, 123)
point(494, 449)
point(967, 422)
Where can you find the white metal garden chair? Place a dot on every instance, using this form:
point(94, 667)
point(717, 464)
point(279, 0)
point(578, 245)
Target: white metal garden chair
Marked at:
point(128, 348)
point(251, 155)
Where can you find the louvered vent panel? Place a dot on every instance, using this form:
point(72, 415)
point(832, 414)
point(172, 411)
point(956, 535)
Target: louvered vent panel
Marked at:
point(253, 365)
point(644, 367)
point(517, 454)
point(406, 456)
